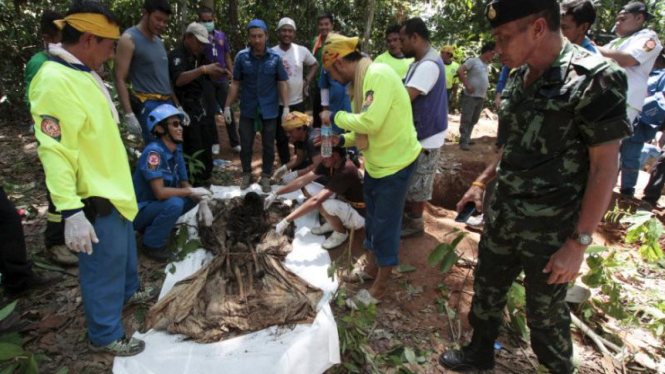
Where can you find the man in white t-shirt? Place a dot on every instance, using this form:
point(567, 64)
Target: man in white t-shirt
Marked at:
point(635, 50)
point(295, 58)
point(474, 75)
point(426, 84)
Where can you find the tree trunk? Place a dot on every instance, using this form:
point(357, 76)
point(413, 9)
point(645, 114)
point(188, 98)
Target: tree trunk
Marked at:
point(371, 4)
point(237, 41)
point(182, 21)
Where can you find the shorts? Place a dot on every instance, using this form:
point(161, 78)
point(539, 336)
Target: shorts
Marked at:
point(422, 182)
point(350, 217)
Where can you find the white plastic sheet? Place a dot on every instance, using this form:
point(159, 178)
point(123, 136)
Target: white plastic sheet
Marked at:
point(300, 349)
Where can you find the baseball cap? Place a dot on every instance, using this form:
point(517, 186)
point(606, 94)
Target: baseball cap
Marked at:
point(637, 7)
point(286, 21)
point(199, 31)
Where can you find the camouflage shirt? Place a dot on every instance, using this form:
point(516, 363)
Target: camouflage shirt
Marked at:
point(547, 129)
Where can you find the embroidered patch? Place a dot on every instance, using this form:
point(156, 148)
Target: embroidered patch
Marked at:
point(153, 160)
point(176, 61)
point(51, 127)
point(650, 45)
point(369, 99)
point(221, 42)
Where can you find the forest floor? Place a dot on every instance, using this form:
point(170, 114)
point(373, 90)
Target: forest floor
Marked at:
point(424, 310)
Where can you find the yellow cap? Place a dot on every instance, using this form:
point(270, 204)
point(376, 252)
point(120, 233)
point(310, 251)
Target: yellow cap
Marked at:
point(447, 49)
point(337, 46)
point(295, 120)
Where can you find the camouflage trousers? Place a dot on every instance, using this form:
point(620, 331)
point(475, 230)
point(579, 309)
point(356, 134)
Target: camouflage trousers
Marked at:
point(500, 262)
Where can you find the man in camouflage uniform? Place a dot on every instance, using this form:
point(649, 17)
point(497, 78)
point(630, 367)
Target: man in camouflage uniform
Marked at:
point(562, 117)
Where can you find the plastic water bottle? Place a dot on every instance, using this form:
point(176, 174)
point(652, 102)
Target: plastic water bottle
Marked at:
point(326, 141)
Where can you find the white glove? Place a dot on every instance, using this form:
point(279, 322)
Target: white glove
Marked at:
point(279, 173)
point(186, 121)
point(289, 177)
point(199, 191)
point(204, 214)
point(79, 233)
point(285, 113)
point(215, 149)
point(133, 124)
point(281, 226)
point(269, 200)
point(227, 115)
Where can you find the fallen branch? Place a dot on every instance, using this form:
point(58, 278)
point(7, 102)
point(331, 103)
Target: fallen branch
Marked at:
point(598, 340)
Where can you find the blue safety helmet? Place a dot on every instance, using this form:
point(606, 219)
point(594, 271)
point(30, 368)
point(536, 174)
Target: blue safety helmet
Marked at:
point(161, 113)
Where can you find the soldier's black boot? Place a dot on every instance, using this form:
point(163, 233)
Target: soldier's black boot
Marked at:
point(471, 357)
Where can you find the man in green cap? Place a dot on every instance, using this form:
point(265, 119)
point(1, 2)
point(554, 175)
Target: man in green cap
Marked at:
point(561, 120)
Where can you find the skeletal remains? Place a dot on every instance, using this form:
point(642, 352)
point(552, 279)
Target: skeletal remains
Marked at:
point(245, 287)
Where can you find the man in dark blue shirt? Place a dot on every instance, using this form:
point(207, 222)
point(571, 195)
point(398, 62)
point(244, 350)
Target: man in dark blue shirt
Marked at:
point(160, 180)
point(261, 75)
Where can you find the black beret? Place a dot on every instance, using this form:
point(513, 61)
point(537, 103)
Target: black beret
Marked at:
point(499, 12)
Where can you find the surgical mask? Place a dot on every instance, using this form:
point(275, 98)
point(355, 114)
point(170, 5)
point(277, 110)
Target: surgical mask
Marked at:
point(209, 26)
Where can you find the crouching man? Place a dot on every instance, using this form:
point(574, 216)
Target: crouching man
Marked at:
point(161, 184)
point(340, 201)
point(308, 156)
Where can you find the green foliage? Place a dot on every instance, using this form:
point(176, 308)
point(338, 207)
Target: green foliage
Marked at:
point(445, 254)
point(646, 230)
point(516, 305)
point(181, 245)
point(600, 275)
point(13, 358)
point(194, 166)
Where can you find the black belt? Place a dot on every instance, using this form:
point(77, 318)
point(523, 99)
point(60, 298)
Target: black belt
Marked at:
point(95, 206)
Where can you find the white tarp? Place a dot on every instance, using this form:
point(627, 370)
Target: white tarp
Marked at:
point(305, 348)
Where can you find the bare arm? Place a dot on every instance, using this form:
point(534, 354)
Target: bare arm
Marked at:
point(300, 157)
point(461, 73)
point(233, 93)
point(475, 193)
point(188, 76)
point(316, 160)
point(283, 87)
point(297, 184)
point(229, 65)
point(622, 58)
point(312, 72)
point(123, 60)
point(163, 193)
point(313, 203)
point(564, 265)
point(413, 93)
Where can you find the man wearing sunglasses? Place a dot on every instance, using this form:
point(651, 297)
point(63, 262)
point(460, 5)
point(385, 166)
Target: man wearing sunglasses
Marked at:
point(161, 184)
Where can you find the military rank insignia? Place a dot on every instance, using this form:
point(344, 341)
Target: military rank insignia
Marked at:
point(51, 127)
point(153, 160)
point(650, 45)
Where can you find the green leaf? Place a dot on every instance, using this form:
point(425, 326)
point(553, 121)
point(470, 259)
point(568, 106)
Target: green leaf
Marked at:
point(448, 262)
point(437, 254)
point(32, 367)
point(13, 338)
point(46, 266)
point(10, 351)
point(351, 367)
point(183, 235)
point(11, 369)
point(596, 249)
point(406, 268)
point(63, 370)
point(410, 356)
point(172, 269)
point(6, 311)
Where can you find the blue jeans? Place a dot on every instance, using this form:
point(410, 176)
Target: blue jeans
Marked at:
point(631, 151)
point(108, 277)
point(385, 198)
point(142, 115)
point(157, 218)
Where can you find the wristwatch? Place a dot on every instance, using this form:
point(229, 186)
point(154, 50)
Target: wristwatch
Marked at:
point(584, 239)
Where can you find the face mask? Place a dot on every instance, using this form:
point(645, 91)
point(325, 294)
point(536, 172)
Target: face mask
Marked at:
point(208, 25)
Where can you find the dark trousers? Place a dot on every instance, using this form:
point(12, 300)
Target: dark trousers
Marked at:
point(654, 188)
point(316, 106)
point(281, 138)
point(500, 261)
point(247, 134)
point(221, 90)
point(14, 265)
point(197, 140)
point(55, 227)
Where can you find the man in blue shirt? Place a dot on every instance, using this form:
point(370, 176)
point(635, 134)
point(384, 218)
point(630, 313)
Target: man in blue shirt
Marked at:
point(261, 74)
point(577, 16)
point(162, 189)
point(334, 97)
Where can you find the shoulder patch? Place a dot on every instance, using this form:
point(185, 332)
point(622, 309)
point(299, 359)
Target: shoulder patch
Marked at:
point(51, 127)
point(369, 99)
point(650, 45)
point(153, 160)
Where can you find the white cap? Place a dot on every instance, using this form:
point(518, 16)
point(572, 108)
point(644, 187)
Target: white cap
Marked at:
point(199, 31)
point(286, 21)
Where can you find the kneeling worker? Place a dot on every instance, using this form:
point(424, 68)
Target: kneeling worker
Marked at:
point(308, 156)
point(161, 184)
point(340, 201)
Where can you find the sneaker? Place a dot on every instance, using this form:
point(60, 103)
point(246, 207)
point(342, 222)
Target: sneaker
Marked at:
point(158, 254)
point(246, 181)
point(35, 281)
point(123, 347)
point(62, 255)
point(236, 149)
point(322, 230)
point(414, 227)
point(265, 183)
point(142, 296)
point(335, 240)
